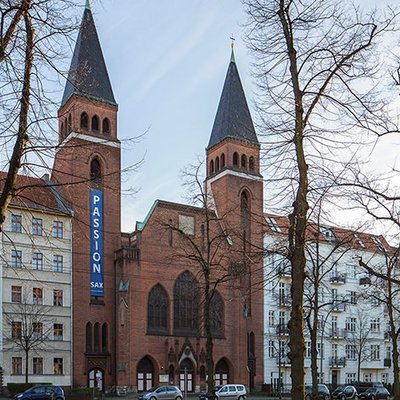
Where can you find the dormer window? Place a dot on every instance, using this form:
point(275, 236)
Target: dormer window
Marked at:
point(95, 123)
point(328, 234)
point(106, 127)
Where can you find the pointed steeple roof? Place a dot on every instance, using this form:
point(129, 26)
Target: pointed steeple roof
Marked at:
point(88, 74)
point(233, 119)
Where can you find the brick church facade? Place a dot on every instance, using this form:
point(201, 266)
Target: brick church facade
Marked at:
point(138, 297)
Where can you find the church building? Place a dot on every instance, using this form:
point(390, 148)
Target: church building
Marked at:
point(138, 297)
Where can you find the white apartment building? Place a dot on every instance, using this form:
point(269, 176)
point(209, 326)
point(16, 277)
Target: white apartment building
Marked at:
point(351, 323)
point(35, 282)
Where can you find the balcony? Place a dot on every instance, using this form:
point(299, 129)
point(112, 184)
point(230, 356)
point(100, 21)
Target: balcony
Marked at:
point(387, 362)
point(337, 333)
point(337, 362)
point(339, 279)
point(282, 329)
point(283, 361)
point(284, 300)
point(339, 306)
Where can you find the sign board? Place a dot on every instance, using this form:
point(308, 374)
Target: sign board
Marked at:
point(96, 243)
point(164, 378)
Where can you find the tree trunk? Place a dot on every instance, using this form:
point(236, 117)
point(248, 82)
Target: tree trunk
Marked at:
point(26, 366)
point(209, 341)
point(395, 357)
point(358, 368)
point(314, 353)
point(22, 135)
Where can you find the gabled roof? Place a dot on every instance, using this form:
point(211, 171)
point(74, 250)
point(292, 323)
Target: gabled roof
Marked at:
point(279, 225)
point(233, 119)
point(36, 193)
point(88, 74)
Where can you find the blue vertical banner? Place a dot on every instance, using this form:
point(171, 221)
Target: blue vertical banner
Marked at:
point(96, 243)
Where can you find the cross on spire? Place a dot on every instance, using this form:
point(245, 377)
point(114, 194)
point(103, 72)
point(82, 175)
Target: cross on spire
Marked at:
point(232, 45)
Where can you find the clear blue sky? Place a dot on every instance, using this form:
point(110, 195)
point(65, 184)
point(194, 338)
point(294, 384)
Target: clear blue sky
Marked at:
point(167, 62)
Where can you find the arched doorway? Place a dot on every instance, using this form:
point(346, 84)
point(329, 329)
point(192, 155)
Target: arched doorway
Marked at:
point(221, 372)
point(145, 374)
point(186, 375)
point(96, 379)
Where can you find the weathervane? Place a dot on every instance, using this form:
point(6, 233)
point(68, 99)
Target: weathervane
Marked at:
point(232, 41)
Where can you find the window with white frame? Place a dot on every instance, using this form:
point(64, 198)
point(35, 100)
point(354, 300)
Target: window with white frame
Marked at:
point(308, 349)
point(375, 325)
point(17, 365)
point(350, 351)
point(271, 318)
point(37, 331)
point(368, 377)
point(385, 378)
point(16, 294)
point(282, 318)
point(375, 352)
point(350, 377)
point(320, 350)
point(351, 324)
point(58, 331)
point(334, 350)
point(37, 365)
point(271, 349)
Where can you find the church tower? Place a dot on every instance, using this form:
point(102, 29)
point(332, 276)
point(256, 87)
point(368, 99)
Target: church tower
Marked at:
point(87, 168)
point(235, 185)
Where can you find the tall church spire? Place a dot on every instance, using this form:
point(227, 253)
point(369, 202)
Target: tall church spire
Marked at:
point(88, 76)
point(233, 119)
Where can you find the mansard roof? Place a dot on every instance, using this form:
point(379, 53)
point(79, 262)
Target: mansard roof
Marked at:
point(279, 225)
point(36, 193)
point(88, 74)
point(233, 119)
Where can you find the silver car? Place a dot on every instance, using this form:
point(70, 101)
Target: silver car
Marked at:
point(162, 393)
point(231, 392)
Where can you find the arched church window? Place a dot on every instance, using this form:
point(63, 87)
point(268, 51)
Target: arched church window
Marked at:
point(251, 163)
point(84, 121)
point(245, 217)
point(65, 127)
point(95, 171)
point(222, 160)
point(62, 130)
point(95, 123)
point(244, 161)
point(69, 129)
point(96, 337)
point(104, 338)
point(157, 311)
point(211, 167)
point(235, 159)
point(186, 305)
point(217, 164)
point(217, 315)
point(89, 337)
point(106, 126)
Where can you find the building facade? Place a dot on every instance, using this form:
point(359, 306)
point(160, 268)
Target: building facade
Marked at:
point(352, 328)
point(36, 273)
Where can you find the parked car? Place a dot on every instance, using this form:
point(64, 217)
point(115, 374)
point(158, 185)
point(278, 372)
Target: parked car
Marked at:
point(323, 392)
point(162, 393)
point(344, 392)
point(42, 393)
point(375, 393)
point(363, 386)
point(231, 392)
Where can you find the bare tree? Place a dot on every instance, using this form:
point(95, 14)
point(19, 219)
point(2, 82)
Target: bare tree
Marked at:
point(315, 68)
point(27, 328)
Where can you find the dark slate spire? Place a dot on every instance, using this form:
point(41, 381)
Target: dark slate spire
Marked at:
point(88, 73)
point(233, 119)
